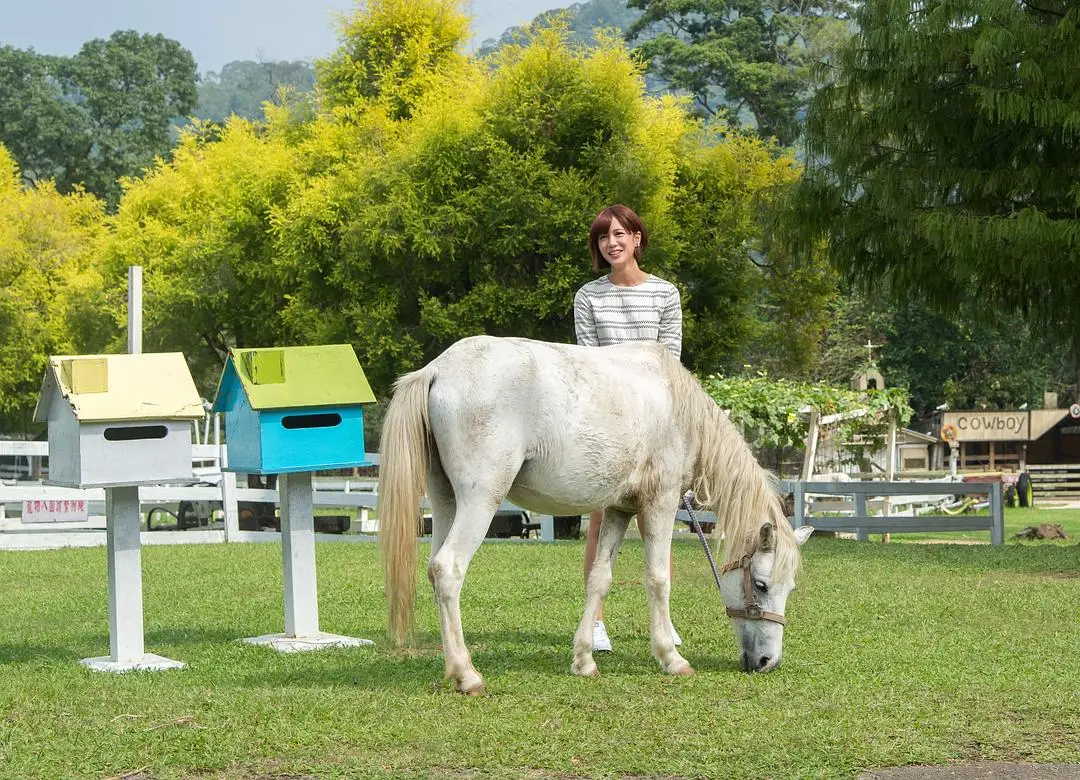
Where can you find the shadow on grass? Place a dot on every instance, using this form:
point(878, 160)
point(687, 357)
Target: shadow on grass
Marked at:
point(62, 652)
point(419, 668)
point(96, 643)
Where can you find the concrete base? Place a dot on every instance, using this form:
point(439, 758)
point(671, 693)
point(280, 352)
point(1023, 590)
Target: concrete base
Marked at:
point(148, 663)
point(296, 644)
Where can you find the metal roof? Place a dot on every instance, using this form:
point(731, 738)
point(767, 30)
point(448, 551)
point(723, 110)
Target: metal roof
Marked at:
point(295, 377)
point(106, 388)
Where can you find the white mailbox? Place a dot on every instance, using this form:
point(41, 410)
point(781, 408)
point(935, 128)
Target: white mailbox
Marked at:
point(118, 419)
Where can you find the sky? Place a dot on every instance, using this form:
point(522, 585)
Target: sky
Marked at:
point(220, 31)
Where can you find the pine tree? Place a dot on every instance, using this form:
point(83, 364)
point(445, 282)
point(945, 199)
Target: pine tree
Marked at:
point(945, 156)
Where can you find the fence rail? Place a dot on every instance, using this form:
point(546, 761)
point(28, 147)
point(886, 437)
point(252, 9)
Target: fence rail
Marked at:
point(360, 494)
point(216, 486)
point(863, 523)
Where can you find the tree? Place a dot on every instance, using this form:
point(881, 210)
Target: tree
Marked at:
point(37, 123)
point(582, 19)
point(452, 201)
point(944, 158)
point(393, 50)
point(128, 88)
point(243, 86)
point(968, 362)
point(201, 225)
point(95, 117)
point(772, 413)
point(474, 222)
point(51, 291)
point(731, 57)
point(748, 303)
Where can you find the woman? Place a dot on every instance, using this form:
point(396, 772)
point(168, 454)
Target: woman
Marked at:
point(628, 304)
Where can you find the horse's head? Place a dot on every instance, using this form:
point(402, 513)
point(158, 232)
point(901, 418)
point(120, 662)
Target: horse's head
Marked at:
point(756, 599)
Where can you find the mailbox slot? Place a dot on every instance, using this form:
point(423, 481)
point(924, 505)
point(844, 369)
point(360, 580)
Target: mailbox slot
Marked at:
point(136, 433)
point(323, 420)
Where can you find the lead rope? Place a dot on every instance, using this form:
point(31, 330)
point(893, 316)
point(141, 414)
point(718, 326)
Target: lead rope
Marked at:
point(693, 522)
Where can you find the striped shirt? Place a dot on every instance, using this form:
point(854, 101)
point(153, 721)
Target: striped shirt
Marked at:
point(605, 313)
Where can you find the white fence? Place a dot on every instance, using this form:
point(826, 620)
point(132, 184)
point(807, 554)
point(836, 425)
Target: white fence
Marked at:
point(863, 523)
point(210, 484)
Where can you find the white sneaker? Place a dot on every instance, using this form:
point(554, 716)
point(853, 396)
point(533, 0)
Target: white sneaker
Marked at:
point(674, 635)
point(600, 641)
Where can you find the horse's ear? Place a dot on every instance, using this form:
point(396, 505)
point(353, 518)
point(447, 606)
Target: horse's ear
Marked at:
point(767, 537)
point(802, 533)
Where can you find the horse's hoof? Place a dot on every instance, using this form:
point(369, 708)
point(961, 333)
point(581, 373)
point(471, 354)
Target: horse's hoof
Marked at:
point(685, 670)
point(585, 669)
point(471, 684)
point(476, 690)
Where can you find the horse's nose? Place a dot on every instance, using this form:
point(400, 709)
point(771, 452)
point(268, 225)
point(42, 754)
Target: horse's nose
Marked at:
point(761, 663)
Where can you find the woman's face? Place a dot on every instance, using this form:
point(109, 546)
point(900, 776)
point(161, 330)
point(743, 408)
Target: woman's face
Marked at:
point(618, 244)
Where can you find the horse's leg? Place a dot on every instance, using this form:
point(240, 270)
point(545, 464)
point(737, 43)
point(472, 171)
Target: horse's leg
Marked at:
point(656, 523)
point(441, 497)
point(447, 572)
point(480, 454)
point(612, 530)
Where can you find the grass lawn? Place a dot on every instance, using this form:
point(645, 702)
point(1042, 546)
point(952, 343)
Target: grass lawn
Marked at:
point(895, 654)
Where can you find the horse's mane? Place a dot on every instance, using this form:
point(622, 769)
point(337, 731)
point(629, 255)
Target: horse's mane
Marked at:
point(727, 477)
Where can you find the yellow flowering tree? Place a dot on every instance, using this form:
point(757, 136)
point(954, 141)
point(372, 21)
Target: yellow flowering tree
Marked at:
point(51, 294)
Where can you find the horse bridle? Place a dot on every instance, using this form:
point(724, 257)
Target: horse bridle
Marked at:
point(752, 610)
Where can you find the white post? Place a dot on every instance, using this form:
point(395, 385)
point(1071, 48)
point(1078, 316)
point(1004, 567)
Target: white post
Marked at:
point(125, 573)
point(547, 528)
point(298, 570)
point(890, 467)
point(298, 555)
point(230, 506)
point(134, 343)
point(207, 414)
point(126, 650)
point(810, 451)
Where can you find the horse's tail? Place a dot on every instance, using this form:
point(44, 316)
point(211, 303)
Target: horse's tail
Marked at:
point(404, 456)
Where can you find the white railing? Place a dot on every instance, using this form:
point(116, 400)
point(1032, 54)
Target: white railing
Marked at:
point(863, 523)
point(210, 484)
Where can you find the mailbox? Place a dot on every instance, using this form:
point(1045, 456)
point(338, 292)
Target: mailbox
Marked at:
point(118, 419)
point(293, 409)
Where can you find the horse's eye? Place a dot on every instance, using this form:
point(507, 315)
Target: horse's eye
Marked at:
point(761, 585)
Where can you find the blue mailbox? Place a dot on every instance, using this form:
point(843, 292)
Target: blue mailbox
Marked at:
point(293, 409)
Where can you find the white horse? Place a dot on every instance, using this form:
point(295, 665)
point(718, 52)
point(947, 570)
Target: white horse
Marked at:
point(564, 430)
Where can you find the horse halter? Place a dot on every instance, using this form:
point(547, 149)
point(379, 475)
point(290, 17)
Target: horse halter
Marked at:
point(753, 610)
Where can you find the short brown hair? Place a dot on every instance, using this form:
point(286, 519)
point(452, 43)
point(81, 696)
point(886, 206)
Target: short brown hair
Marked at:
point(628, 219)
